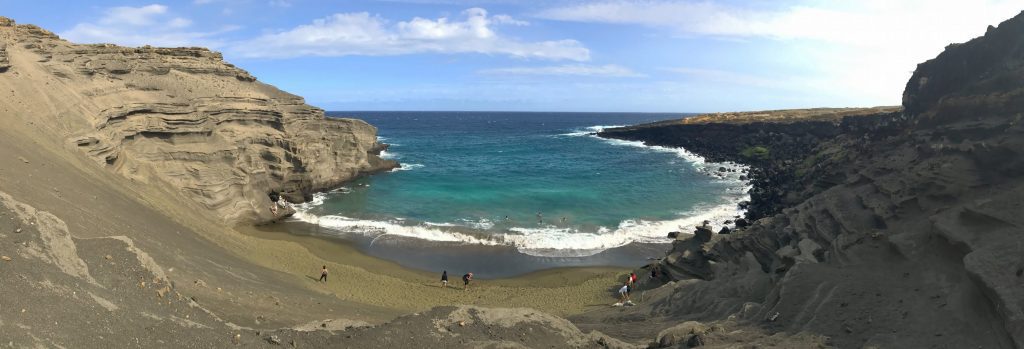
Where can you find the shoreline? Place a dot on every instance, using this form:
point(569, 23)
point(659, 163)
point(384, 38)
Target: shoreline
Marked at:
point(361, 278)
point(485, 261)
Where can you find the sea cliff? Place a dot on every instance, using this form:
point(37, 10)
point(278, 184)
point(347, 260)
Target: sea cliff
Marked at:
point(898, 229)
point(185, 118)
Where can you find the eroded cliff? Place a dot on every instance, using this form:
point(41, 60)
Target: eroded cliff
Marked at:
point(185, 118)
point(906, 233)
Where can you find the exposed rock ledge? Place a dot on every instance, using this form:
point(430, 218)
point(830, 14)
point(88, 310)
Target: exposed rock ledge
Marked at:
point(186, 118)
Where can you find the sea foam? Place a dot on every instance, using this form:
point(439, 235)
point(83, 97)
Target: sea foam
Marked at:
point(548, 240)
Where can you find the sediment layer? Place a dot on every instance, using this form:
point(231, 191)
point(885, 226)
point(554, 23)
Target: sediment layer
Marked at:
point(185, 118)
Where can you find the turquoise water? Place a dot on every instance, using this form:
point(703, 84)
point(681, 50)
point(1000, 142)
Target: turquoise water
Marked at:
point(463, 173)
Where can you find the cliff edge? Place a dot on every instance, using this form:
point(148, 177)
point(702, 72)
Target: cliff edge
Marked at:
point(182, 117)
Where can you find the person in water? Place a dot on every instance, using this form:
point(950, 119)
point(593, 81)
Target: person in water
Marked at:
point(444, 279)
point(465, 281)
point(323, 274)
point(540, 218)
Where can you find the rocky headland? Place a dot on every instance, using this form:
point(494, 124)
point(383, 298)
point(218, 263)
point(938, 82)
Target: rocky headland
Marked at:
point(884, 229)
point(771, 143)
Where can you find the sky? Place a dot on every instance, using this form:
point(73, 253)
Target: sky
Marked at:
point(557, 55)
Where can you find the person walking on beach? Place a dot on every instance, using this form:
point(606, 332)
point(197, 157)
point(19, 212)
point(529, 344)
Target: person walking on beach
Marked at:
point(444, 279)
point(624, 296)
point(323, 274)
point(465, 281)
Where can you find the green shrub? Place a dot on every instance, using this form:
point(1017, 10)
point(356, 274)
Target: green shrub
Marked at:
point(756, 153)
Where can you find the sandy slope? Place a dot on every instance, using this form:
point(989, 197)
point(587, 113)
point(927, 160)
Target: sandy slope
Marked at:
point(219, 282)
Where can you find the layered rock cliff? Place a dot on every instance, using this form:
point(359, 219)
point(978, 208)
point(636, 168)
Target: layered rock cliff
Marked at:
point(908, 235)
point(183, 117)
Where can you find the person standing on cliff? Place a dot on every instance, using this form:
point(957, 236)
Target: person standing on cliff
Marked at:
point(323, 274)
point(444, 279)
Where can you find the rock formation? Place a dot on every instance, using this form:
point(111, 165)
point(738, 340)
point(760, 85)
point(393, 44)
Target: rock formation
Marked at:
point(906, 233)
point(772, 143)
point(184, 118)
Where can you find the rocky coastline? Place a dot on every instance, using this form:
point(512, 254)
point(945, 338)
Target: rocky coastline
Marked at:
point(880, 230)
point(771, 143)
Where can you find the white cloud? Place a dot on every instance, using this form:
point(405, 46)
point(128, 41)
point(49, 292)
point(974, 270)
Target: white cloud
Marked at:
point(608, 70)
point(364, 34)
point(506, 19)
point(139, 26)
point(867, 48)
point(730, 77)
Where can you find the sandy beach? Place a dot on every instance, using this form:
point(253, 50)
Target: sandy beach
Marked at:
point(357, 277)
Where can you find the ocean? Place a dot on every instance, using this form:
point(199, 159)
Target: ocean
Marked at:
point(522, 191)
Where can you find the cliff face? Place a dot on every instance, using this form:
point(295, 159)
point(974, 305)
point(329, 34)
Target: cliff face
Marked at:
point(905, 231)
point(182, 117)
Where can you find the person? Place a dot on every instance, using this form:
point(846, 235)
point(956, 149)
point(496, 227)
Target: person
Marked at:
point(632, 279)
point(624, 294)
point(273, 209)
point(323, 274)
point(465, 281)
point(444, 279)
point(540, 218)
point(506, 218)
point(563, 220)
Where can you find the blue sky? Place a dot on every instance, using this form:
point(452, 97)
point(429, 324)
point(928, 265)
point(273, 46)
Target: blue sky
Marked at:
point(604, 55)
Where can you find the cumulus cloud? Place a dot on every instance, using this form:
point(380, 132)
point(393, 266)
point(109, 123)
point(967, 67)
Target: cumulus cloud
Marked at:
point(866, 47)
point(608, 70)
point(138, 26)
point(361, 33)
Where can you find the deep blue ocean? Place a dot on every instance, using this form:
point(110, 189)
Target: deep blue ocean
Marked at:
point(539, 182)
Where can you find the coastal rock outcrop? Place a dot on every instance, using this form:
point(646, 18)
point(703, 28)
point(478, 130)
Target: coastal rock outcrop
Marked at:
point(771, 143)
point(900, 229)
point(184, 118)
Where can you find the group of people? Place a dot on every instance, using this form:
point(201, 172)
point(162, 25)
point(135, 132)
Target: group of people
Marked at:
point(444, 278)
point(466, 278)
point(540, 218)
point(625, 290)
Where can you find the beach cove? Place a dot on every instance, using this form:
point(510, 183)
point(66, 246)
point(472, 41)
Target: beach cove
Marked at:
point(507, 193)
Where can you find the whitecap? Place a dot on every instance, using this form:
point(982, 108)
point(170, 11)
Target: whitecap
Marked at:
point(545, 241)
point(589, 130)
point(407, 167)
point(552, 241)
